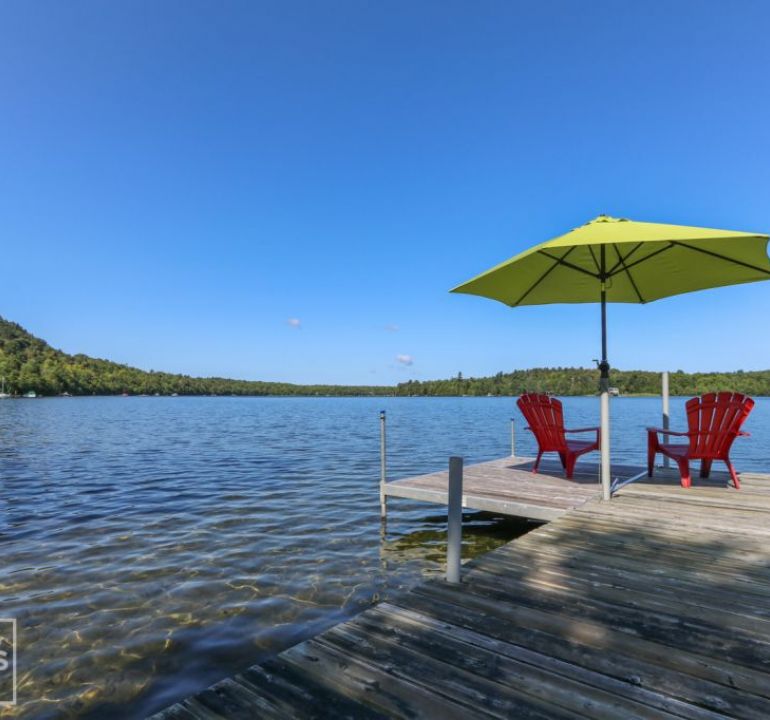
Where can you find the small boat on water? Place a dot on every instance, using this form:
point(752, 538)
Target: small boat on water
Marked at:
point(30, 394)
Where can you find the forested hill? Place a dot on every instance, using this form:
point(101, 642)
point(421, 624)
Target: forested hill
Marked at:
point(28, 363)
point(584, 381)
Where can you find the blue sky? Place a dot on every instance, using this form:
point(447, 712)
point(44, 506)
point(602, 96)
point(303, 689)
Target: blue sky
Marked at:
point(182, 179)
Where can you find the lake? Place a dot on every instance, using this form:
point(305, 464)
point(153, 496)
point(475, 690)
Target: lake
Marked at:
point(152, 546)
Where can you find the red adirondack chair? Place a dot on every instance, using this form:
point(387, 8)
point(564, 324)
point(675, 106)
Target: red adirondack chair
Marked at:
point(546, 421)
point(714, 421)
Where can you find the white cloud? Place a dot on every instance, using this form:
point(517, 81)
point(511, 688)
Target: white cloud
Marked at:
point(392, 327)
point(405, 359)
point(294, 322)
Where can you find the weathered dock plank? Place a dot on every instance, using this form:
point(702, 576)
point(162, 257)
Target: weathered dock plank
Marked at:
point(655, 605)
point(508, 487)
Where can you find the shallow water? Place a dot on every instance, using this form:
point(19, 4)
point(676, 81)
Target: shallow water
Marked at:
point(154, 545)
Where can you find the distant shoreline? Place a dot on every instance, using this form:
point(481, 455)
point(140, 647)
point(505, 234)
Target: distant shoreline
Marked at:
point(30, 365)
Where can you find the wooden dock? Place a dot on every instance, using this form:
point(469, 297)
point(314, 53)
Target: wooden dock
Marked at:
point(508, 487)
point(655, 605)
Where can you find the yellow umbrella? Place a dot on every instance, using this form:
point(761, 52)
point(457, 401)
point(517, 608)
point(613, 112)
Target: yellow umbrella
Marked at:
point(617, 260)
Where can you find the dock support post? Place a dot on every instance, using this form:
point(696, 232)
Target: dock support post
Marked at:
point(666, 418)
point(383, 467)
point(513, 438)
point(454, 520)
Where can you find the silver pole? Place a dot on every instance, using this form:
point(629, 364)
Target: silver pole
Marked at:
point(666, 416)
point(605, 443)
point(513, 438)
point(604, 389)
point(383, 467)
point(454, 520)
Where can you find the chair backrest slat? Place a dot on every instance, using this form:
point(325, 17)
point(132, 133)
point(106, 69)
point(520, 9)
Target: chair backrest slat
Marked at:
point(714, 421)
point(546, 418)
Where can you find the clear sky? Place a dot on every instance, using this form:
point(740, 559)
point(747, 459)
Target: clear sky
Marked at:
point(288, 190)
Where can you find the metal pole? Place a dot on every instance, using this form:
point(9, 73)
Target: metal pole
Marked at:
point(513, 438)
point(604, 389)
point(604, 330)
point(666, 416)
point(454, 520)
point(383, 467)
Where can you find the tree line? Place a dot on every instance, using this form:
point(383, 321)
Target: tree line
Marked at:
point(28, 363)
point(585, 381)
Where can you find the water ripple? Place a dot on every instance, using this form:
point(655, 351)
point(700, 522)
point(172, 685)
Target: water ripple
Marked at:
point(152, 546)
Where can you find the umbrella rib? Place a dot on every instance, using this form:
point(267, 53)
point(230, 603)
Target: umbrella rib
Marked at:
point(721, 257)
point(596, 262)
point(571, 266)
point(556, 264)
point(621, 260)
point(648, 257)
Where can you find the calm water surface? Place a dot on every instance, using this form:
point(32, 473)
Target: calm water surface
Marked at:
point(152, 546)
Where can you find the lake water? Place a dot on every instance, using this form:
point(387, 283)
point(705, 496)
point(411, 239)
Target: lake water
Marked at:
point(152, 546)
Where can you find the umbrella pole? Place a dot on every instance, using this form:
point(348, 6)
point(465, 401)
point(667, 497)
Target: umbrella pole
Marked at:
point(604, 390)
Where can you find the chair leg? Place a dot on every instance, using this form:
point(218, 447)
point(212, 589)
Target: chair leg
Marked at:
point(705, 468)
point(650, 455)
point(537, 462)
point(684, 472)
point(569, 467)
point(733, 474)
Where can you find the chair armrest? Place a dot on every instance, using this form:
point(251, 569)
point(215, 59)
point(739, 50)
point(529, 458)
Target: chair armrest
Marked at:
point(591, 429)
point(663, 431)
point(744, 433)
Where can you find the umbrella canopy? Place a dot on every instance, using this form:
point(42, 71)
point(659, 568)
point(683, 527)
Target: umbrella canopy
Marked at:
point(617, 260)
point(638, 261)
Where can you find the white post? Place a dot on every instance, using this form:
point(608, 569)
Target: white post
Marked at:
point(454, 520)
point(513, 438)
point(383, 468)
point(666, 417)
point(604, 439)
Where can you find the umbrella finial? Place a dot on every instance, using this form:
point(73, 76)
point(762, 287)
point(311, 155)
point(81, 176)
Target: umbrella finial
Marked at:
point(606, 219)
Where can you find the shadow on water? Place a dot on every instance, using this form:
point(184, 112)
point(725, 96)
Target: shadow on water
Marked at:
point(482, 532)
